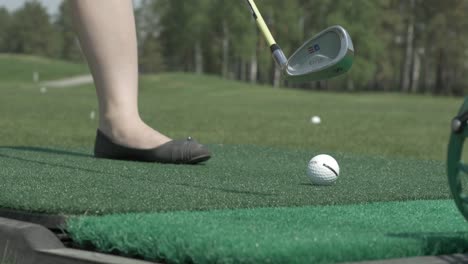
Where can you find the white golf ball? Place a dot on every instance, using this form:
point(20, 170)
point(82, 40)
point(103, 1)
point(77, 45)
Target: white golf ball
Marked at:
point(323, 170)
point(316, 120)
point(92, 115)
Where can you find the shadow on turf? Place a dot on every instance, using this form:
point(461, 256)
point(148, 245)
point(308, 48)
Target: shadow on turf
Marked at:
point(439, 243)
point(47, 150)
point(315, 185)
point(223, 189)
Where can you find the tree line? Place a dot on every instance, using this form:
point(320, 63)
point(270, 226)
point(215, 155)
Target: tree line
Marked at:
point(408, 46)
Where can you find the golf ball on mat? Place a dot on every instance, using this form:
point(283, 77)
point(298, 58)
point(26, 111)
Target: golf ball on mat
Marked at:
point(323, 170)
point(316, 120)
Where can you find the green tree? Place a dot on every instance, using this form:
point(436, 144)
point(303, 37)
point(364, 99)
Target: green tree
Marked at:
point(4, 25)
point(69, 48)
point(233, 39)
point(184, 28)
point(286, 26)
point(151, 59)
point(415, 46)
point(446, 41)
point(31, 31)
point(390, 32)
point(149, 43)
point(362, 20)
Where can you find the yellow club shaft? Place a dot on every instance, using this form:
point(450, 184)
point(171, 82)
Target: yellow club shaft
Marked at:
point(261, 23)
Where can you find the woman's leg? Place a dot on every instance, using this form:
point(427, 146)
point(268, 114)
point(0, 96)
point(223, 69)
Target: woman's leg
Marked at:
point(107, 33)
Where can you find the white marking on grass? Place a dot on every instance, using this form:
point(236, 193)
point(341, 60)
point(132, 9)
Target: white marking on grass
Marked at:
point(35, 77)
point(70, 82)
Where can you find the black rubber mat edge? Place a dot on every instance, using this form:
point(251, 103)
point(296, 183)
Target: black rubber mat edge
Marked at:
point(28, 243)
point(46, 220)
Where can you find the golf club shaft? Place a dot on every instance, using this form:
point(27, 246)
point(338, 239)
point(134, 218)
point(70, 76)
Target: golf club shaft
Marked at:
point(276, 51)
point(261, 23)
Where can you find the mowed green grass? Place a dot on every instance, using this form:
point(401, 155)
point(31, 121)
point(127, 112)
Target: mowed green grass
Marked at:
point(218, 111)
point(19, 69)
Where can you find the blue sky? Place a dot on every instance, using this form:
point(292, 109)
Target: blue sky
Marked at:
point(52, 5)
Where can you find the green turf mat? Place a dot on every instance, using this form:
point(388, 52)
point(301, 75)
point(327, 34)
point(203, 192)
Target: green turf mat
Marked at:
point(73, 182)
point(320, 234)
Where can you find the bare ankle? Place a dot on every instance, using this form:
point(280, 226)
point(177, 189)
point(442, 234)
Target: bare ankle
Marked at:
point(132, 133)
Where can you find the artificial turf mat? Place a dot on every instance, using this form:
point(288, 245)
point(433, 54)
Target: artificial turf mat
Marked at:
point(59, 181)
point(321, 234)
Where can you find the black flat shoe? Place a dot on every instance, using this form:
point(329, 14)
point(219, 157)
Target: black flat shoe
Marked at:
point(186, 151)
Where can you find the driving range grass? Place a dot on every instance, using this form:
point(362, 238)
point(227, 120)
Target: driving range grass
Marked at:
point(390, 147)
point(19, 69)
point(218, 111)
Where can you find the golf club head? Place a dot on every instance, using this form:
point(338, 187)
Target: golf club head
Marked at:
point(328, 54)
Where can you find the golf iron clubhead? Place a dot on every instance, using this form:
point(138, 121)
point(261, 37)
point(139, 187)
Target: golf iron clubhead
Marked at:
point(330, 53)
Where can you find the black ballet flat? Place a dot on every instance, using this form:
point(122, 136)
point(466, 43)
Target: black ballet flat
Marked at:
point(187, 151)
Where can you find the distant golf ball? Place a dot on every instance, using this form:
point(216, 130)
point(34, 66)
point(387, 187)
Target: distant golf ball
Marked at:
point(92, 115)
point(316, 120)
point(323, 170)
point(43, 90)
